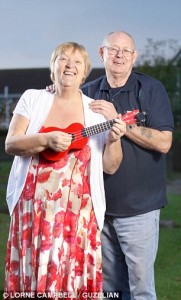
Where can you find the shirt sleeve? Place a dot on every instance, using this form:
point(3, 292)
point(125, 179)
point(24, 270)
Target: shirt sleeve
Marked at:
point(159, 115)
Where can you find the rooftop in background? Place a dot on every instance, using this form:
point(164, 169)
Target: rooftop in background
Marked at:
point(14, 82)
point(19, 80)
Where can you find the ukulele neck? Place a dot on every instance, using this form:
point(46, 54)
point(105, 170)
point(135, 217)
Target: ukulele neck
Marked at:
point(95, 129)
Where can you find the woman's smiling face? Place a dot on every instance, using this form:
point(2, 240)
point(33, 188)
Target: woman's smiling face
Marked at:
point(69, 68)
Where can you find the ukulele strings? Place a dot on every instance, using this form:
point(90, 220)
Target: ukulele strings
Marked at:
point(95, 129)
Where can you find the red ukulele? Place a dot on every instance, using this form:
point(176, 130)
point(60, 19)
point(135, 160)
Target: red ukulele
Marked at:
point(80, 134)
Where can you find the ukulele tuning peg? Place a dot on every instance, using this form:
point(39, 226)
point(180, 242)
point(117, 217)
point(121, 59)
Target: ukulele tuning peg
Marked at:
point(141, 118)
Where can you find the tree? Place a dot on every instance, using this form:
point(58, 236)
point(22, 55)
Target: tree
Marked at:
point(157, 61)
point(158, 52)
point(162, 60)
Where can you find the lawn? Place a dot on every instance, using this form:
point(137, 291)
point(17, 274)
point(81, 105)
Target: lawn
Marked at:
point(168, 262)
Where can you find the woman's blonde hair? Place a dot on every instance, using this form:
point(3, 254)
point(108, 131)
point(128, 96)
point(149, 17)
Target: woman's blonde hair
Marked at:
point(61, 49)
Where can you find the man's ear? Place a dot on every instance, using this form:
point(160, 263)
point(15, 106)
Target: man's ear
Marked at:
point(135, 56)
point(101, 53)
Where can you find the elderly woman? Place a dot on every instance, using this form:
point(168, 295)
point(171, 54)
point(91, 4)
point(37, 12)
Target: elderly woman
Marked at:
point(55, 192)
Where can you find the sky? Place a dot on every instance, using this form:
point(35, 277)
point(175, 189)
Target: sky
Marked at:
point(31, 29)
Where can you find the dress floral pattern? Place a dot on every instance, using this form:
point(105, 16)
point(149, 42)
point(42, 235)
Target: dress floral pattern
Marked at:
point(54, 241)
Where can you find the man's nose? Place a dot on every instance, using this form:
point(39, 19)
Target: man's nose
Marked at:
point(120, 52)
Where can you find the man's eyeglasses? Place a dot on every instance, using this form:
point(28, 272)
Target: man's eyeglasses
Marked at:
point(115, 51)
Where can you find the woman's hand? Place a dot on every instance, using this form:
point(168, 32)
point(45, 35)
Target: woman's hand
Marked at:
point(58, 141)
point(118, 130)
point(113, 154)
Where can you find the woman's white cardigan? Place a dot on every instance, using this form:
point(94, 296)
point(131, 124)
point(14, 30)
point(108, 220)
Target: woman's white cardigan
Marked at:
point(35, 105)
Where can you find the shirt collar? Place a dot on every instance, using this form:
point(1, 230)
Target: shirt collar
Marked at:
point(127, 87)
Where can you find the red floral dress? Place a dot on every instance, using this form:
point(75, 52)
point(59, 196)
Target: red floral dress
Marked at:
point(54, 241)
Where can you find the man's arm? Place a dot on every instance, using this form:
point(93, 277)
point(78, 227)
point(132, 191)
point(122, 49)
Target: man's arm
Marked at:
point(150, 138)
point(145, 137)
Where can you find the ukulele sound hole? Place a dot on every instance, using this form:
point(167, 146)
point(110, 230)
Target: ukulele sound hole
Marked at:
point(73, 136)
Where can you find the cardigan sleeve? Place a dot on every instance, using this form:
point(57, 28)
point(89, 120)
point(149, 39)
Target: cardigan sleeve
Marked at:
point(24, 106)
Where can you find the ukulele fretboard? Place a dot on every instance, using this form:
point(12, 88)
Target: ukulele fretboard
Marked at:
point(95, 129)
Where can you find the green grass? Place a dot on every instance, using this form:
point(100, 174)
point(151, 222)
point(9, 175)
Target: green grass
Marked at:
point(4, 218)
point(168, 262)
point(4, 173)
point(4, 229)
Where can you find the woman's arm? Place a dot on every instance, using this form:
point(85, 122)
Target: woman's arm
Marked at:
point(18, 143)
point(113, 155)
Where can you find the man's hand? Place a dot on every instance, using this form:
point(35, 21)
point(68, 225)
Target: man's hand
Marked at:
point(105, 108)
point(50, 88)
